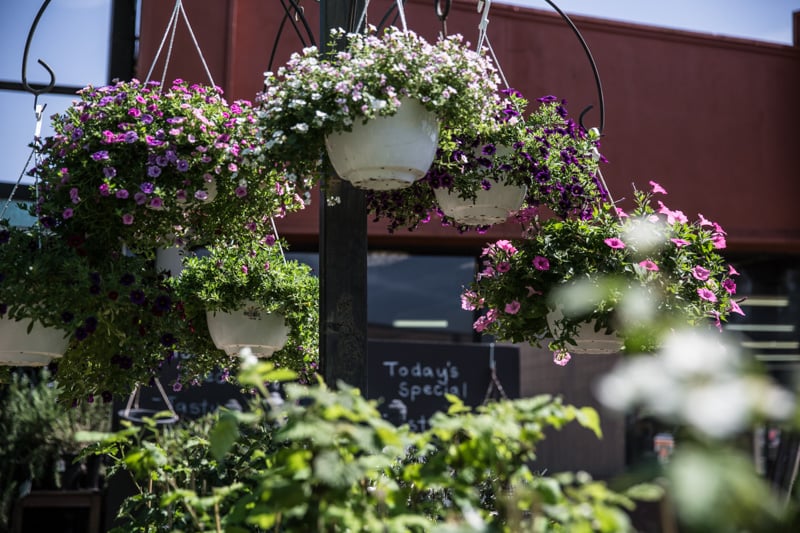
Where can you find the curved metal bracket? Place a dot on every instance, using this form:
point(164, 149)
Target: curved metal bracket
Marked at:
point(292, 12)
point(594, 70)
point(49, 87)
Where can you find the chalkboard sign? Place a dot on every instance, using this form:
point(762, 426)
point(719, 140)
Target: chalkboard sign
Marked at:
point(412, 378)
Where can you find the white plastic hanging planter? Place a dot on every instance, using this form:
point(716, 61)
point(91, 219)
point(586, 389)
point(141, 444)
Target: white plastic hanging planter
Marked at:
point(37, 348)
point(587, 340)
point(386, 153)
point(249, 327)
point(489, 207)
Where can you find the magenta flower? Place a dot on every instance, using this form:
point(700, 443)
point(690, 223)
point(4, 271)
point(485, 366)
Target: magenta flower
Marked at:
point(561, 357)
point(647, 264)
point(269, 239)
point(719, 241)
point(122, 194)
point(680, 243)
point(735, 308)
point(156, 203)
point(656, 188)
point(506, 246)
point(68, 212)
point(127, 219)
point(732, 271)
point(707, 295)
point(700, 273)
point(244, 269)
point(240, 191)
point(201, 195)
point(512, 308)
point(541, 263)
point(615, 243)
point(729, 285)
point(503, 266)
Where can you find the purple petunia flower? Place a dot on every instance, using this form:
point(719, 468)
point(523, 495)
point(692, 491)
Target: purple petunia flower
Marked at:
point(127, 219)
point(137, 297)
point(541, 263)
point(100, 155)
point(130, 137)
point(122, 194)
point(153, 171)
point(241, 191)
point(182, 165)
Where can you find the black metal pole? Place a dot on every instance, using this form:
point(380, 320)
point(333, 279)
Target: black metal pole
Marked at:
point(122, 61)
point(343, 251)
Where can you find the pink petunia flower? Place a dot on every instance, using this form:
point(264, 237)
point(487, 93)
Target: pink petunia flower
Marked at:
point(732, 271)
point(735, 308)
point(512, 308)
point(506, 246)
point(657, 189)
point(620, 212)
point(541, 263)
point(561, 357)
point(532, 291)
point(68, 212)
point(615, 243)
point(680, 243)
point(707, 295)
point(719, 241)
point(647, 264)
point(503, 267)
point(704, 221)
point(127, 219)
point(700, 273)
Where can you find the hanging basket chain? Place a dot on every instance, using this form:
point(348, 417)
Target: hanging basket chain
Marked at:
point(170, 32)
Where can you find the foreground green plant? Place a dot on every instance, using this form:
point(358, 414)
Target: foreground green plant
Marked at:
point(325, 460)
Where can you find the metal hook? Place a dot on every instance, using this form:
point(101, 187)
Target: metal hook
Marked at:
point(49, 87)
point(442, 11)
point(594, 70)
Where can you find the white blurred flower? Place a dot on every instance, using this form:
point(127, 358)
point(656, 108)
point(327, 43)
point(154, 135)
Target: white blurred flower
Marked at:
point(698, 378)
point(248, 360)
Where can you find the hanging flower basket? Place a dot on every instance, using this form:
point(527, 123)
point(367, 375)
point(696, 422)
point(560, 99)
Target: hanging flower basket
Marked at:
point(386, 152)
point(490, 206)
point(249, 327)
point(589, 339)
point(39, 347)
point(246, 294)
point(317, 102)
point(154, 166)
point(640, 274)
point(511, 162)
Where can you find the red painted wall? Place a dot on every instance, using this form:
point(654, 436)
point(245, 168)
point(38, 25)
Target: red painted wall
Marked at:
point(715, 120)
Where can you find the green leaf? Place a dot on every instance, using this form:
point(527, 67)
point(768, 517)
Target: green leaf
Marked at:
point(647, 492)
point(588, 418)
point(223, 435)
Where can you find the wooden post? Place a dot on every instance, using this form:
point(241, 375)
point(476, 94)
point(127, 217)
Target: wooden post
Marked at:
point(343, 251)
